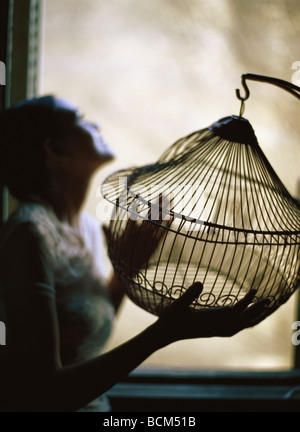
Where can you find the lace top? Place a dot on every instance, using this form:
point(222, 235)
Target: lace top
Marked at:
point(84, 309)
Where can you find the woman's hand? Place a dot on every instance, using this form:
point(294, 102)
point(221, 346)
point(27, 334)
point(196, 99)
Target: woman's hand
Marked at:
point(140, 238)
point(178, 321)
point(137, 243)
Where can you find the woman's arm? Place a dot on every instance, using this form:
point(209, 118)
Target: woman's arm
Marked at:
point(68, 388)
point(115, 286)
point(117, 291)
point(43, 383)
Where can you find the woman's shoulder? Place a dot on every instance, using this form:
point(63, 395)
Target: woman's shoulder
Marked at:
point(29, 231)
point(23, 252)
point(19, 223)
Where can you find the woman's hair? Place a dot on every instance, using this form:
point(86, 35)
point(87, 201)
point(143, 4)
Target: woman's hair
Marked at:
point(23, 130)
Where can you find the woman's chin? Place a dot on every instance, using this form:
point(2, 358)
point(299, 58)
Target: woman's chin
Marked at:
point(104, 158)
point(105, 152)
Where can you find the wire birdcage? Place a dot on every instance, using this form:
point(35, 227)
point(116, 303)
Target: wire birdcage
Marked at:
point(217, 213)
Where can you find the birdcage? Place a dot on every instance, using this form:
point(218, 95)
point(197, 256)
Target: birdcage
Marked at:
point(211, 209)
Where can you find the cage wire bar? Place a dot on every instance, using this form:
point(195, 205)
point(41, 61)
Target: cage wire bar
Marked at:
point(216, 211)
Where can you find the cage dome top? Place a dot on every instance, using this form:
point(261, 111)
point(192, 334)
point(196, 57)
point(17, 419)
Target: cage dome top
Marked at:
point(217, 177)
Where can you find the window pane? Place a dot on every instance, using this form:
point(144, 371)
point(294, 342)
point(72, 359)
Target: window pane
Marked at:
point(152, 72)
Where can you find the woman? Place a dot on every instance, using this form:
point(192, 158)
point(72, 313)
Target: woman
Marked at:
point(56, 304)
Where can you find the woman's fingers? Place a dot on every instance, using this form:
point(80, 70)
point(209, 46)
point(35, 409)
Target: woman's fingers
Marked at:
point(244, 303)
point(255, 313)
point(191, 294)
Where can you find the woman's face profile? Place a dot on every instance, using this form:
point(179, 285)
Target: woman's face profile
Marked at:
point(83, 139)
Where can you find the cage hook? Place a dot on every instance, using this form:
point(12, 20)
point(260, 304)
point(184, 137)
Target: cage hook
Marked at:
point(247, 91)
point(285, 85)
point(241, 98)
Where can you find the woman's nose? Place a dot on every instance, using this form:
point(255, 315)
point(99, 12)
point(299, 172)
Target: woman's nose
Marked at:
point(95, 125)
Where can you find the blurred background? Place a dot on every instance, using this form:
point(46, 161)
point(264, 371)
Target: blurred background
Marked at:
point(153, 71)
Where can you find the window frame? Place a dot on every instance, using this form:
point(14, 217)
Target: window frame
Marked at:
point(21, 47)
point(207, 391)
